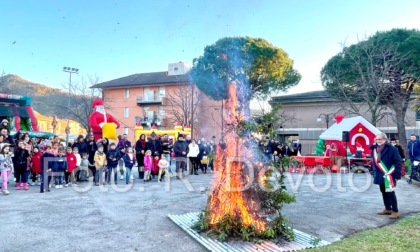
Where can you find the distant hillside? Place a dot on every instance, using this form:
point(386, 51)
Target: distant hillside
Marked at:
point(46, 100)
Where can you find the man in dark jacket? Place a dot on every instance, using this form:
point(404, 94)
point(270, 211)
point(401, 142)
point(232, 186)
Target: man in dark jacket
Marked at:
point(154, 145)
point(180, 151)
point(386, 171)
point(413, 147)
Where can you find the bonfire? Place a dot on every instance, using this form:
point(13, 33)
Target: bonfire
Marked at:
point(244, 202)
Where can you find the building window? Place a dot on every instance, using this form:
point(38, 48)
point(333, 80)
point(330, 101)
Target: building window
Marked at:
point(126, 130)
point(125, 112)
point(161, 112)
point(162, 92)
point(127, 93)
point(417, 115)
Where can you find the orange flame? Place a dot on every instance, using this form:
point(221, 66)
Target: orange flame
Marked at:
point(227, 196)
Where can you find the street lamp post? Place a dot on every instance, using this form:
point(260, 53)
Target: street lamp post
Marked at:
point(327, 118)
point(69, 70)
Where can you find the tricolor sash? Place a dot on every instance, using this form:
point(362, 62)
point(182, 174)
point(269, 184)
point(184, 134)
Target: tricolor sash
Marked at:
point(389, 182)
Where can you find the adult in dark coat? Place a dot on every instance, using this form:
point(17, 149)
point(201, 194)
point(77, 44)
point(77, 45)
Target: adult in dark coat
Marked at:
point(386, 160)
point(91, 149)
point(154, 145)
point(7, 138)
point(81, 145)
point(413, 147)
point(140, 149)
point(126, 142)
point(180, 152)
point(204, 151)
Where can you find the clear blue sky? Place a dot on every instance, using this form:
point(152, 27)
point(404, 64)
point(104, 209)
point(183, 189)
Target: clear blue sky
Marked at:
point(112, 39)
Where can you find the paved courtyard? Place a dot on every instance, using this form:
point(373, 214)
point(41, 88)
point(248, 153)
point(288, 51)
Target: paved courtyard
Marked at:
point(135, 218)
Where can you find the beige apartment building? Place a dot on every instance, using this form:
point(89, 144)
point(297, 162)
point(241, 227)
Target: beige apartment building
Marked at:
point(149, 99)
point(309, 114)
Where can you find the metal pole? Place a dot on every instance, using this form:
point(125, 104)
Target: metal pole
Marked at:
point(69, 70)
point(192, 111)
point(68, 119)
point(327, 120)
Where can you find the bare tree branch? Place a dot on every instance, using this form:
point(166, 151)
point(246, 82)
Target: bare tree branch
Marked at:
point(181, 104)
point(80, 98)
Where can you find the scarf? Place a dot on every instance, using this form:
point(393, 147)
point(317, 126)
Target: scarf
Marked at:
point(389, 182)
point(379, 149)
point(143, 143)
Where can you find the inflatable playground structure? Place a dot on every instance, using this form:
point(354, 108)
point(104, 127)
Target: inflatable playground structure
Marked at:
point(18, 111)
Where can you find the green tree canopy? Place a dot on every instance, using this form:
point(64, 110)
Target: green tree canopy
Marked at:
point(263, 67)
point(380, 71)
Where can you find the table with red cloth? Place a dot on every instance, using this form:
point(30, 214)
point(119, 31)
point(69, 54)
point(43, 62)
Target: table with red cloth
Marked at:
point(318, 159)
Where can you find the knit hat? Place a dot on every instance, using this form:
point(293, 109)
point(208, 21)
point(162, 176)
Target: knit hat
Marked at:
point(4, 120)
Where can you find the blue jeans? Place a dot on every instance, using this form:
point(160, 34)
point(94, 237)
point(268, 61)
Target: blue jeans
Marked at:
point(59, 179)
point(127, 174)
point(98, 175)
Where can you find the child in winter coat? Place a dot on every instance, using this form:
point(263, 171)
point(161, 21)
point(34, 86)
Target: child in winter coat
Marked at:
point(78, 161)
point(36, 165)
point(60, 166)
point(46, 168)
point(100, 163)
point(20, 164)
point(112, 157)
point(121, 162)
point(84, 168)
point(163, 167)
point(129, 159)
point(148, 163)
point(71, 165)
point(6, 166)
point(155, 166)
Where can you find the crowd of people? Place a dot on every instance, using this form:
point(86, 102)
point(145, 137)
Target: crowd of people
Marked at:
point(274, 150)
point(50, 164)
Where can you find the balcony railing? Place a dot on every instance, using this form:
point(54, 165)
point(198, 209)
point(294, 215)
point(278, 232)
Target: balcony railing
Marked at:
point(142, 120)
point(149, 99)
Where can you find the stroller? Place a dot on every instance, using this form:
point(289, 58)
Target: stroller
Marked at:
point(416, 174)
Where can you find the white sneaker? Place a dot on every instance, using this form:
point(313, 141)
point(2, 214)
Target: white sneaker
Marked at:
point(121, 177)
point(74, 185)
point(32, 184)
point(61, 186)
point(49, 186)
point(57, 186)
point(67, 185)
point(5, 192)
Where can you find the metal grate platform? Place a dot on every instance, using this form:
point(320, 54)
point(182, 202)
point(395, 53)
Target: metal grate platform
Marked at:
point(302, 240)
